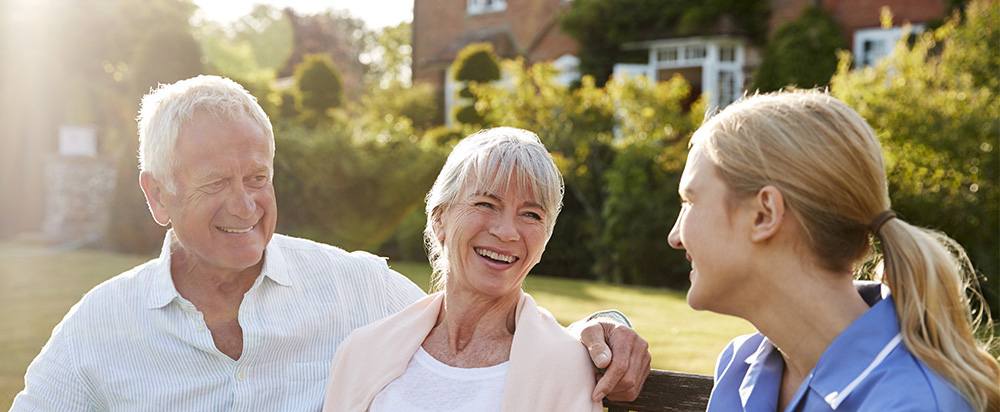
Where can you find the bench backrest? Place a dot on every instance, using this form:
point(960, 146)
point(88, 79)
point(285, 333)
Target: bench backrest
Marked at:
point(669, 391)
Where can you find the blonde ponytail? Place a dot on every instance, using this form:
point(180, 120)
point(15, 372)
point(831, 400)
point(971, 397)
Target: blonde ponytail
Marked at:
point(827, 162)
point(931, 281)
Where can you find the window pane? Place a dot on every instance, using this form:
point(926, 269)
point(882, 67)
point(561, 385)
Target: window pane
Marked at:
point(694, 52)
point(727, 88)
point(668, 54)
point(727, 53)
point(485, 6)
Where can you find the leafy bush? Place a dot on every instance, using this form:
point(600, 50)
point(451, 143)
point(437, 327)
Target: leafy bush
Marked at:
point(475, 63)
point(802, 53)
point(351, 180)
point(318, 84)
point(418, 103)
point(468, 115)
point(447, 135)
point(641, 201)
point(621, 196)
point(935, 107)
point(286, 105)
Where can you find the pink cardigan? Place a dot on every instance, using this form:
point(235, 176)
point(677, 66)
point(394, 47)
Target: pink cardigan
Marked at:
point(549, 369)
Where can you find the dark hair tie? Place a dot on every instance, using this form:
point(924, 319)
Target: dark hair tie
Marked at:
point(880, 220)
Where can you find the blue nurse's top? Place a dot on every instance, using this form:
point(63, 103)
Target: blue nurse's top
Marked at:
point(866, 368)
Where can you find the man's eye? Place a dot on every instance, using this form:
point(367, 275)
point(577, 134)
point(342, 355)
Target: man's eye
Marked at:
point(258, 181)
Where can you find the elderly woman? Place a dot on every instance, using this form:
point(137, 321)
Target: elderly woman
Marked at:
point(481, 344)
point(782, 195)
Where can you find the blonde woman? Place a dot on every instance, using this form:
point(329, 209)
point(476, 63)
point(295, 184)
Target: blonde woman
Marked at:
point(782, 194)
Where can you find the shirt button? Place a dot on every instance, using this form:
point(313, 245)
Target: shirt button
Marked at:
point(201, 329)
point(241, 375)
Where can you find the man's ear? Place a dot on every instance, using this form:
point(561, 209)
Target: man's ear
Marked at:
point(769, 213)
point(154, 192)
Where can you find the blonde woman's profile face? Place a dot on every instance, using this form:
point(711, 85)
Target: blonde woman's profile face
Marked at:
point(705, 231)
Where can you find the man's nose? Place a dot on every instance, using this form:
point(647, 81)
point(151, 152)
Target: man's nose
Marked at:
point(241, 203)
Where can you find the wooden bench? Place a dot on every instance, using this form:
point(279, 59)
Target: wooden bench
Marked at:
point(668, 391)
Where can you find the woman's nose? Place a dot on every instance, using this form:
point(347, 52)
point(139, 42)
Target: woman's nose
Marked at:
point(504, 228)
point(674, 237)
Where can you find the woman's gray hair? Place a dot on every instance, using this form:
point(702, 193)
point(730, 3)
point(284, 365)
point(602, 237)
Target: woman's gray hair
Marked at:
point(166, 109)
point(492, 160)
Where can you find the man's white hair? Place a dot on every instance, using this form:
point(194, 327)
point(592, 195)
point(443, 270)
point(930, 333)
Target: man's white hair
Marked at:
point(165, 110)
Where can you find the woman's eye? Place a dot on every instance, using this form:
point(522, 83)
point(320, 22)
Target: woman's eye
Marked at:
point(487, 205)
point(533, 215)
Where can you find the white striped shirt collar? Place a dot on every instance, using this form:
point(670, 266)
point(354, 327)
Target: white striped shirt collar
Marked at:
point(162, 290)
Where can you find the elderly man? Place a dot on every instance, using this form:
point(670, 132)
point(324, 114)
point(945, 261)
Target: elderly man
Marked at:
point(231, 316)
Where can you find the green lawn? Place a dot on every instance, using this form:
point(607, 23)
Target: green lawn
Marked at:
point(36, 290)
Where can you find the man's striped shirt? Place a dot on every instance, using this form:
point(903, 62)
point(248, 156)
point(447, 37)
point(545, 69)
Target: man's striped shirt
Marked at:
point(134, 344)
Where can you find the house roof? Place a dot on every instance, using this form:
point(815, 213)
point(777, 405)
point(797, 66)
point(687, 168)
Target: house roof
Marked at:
point(502, 40)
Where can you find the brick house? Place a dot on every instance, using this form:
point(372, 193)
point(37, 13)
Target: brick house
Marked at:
point(527, 28)
point(719, 64)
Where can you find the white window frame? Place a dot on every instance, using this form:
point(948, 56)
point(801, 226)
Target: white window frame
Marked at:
point(485, 6)
point(568, 67)
point(686, 53)
point(885, 39)
point(451, 87)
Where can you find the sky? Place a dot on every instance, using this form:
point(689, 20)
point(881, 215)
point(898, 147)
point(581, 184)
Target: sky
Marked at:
point(375, 13)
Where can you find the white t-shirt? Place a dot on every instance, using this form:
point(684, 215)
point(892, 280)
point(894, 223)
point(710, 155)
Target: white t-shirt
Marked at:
point(429, 385)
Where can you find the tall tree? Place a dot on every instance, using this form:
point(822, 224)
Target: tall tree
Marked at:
point(94, 70)
point(389, 60)
point(251, 49)
point(335, 34)
point(801, 53)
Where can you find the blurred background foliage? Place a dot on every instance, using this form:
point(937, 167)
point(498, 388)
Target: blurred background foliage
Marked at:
point(935, 104)
point(621, 148)
point(802, 52)
point(353, 171)
point(318, 88)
